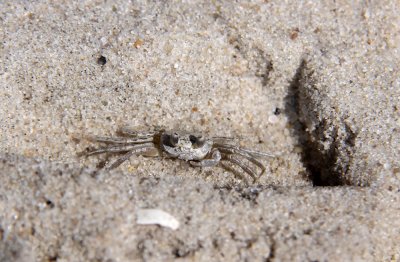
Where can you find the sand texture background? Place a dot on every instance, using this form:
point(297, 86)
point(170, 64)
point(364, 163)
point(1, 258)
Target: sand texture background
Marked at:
point(315, 82)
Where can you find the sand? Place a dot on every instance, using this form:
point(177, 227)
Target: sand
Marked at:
point(314, 83)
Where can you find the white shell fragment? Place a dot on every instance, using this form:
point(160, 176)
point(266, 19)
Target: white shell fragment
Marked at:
point(156, 216)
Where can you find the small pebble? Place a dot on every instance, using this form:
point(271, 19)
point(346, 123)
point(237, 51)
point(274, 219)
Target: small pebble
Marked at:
point(102, 60)
point(273, 119)
point(277, 111)
point(138, 43)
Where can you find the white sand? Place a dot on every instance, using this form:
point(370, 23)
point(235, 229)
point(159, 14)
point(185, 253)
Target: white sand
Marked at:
point(222, 68)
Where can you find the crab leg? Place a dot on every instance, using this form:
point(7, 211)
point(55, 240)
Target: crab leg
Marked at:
point(257, 153)
point(243, 150)
point(126, 131)
point(136, 151)
point(242, 165)
point(250, 158)
point(119, 140)
point(118, 149)
point(232, 170)
point(225, 138)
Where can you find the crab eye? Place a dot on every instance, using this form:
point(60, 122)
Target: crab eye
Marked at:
point(174, 138)
point(193, 139)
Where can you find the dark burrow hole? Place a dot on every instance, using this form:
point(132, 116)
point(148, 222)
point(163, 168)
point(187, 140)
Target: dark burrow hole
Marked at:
point(321, 166)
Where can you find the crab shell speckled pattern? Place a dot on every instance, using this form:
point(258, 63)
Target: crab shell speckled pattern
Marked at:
point(185, 149)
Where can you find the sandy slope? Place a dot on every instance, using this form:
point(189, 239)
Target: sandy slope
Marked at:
point(316, 83)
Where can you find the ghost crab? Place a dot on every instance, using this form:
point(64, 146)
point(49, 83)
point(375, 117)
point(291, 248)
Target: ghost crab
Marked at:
point(198, 150)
